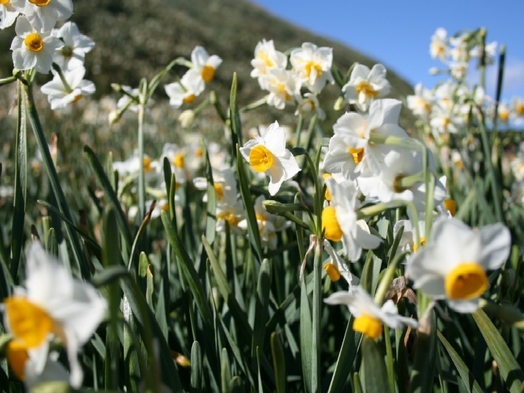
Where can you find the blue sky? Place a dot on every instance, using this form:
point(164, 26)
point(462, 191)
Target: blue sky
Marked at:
point(397, 33)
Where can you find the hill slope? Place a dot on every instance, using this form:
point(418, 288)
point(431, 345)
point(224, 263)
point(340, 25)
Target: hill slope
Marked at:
point(136, 39)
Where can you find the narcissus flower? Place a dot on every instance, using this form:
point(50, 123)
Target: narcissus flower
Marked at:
point(313, 65)
point(61, 93)
point(366, 85)
point(8, 14)
point(42, 310)
point(43, 14)
point(185, 91)
point(33, 49)
point(369, 317)
point(453, 264)
point(339, 220)
point(268, 154)
point(76, 45)
point(266, 58)
point(204, 66)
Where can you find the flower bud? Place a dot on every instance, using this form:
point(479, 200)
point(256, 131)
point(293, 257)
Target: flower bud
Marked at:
point(187, 118)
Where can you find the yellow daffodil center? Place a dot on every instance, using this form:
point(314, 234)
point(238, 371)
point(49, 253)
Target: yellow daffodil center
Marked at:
point(330, 225)
point(17, 357)
point(281, 87)
point(366, 89)
point(219, 191)
point(450, 206)
point(519, 109)
point(260, 158)
point(28, 322)
point(310, 66)
point(4, 1)
point(147, 164)
point(504, 116)
point(265, 58)
point(327, 196)
point(229, 217)
point(467, 281)
point(198, 152)
point(189, 99)
point(356, 154)
point(332, 272)
point(422, 242)
point(208, 73)
point(179, 161)
point(367, 325)
point(40, 3)
point(34, 42)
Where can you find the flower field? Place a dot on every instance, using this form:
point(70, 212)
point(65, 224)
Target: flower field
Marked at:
point(340, 253)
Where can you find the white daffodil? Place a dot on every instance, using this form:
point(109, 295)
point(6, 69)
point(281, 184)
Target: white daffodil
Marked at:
point(369, 317)
point(33, 49)
point(401, 179)
point(43, 14)
point(28, 370)
point(268, 154)
point(42, 310)
point(517, 110)
point(8, 14)
point(453, 264)
point(366, 85)
point(283, 86)
point(490, 51)
point(76, 45)
point(351, 150)
point(337, 267)
point(266, 58)
point(313, 65)
point(421, 102)
point(177, 158)
point(339, 220)
point(185, 91)
point(204, 66)
point(438, 49)
point(73, 87)
point(309, 105)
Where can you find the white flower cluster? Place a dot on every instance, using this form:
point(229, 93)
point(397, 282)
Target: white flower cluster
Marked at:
point(39, 46)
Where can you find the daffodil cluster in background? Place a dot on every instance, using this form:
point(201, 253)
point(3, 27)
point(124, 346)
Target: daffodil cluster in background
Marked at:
point(40, 46)
point(220, 264)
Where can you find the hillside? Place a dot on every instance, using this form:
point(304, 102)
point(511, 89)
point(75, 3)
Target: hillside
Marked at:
point(136, 39)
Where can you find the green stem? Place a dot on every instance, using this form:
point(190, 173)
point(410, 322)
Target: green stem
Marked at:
point(317, 313)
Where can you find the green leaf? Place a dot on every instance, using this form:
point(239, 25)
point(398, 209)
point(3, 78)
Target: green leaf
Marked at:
point(261, 306)
point(306, 336)
point(234, 115)
point(375, 373)
point(188, 270)
point(422, 375)
point(346, 357)
point(196, 368)
point(252, 224)
point(510, 370)
point(464, 371)
point(279, 363)
point(239, 315)
point(110, 195)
